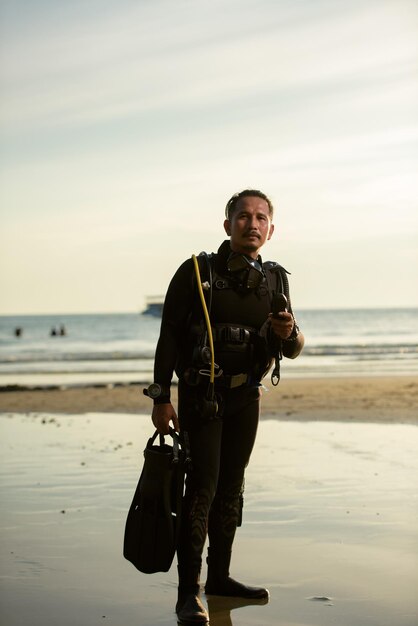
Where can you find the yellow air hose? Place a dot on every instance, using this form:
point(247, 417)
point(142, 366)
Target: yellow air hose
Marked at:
point(207, 320)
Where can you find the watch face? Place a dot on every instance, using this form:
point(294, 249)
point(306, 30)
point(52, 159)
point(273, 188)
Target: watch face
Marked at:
point(154, 390)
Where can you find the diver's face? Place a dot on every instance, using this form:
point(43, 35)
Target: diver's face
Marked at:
point(250, 226)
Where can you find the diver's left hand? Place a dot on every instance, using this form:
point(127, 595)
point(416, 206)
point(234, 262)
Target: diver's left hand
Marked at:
point(282, 325)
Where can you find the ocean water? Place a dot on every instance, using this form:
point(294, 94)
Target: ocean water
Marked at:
point(119, 348)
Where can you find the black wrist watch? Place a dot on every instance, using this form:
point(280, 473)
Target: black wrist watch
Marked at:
point(155, 391)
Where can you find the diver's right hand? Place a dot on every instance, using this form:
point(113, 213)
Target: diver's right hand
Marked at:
point(162, 415)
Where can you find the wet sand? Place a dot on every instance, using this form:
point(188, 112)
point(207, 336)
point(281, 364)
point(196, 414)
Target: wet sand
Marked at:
point(329, 519)
point(372, 399)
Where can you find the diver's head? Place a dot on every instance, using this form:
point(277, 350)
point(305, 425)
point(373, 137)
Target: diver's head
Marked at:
point(232, 203)
point(250, 223)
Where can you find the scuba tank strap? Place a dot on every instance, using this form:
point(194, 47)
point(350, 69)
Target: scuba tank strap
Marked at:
point(277, 282)
point(195, 318)
point(210, 405)
point(206, 260)
point(271, 282)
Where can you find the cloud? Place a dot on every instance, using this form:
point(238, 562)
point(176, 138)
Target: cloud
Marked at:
point(127, 125)
point(133, 59)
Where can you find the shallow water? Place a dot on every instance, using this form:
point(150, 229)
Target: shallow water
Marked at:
point(115, 348)
point(329, 525)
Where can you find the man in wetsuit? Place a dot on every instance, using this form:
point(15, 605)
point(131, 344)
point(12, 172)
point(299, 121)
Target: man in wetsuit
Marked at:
point(221, 428)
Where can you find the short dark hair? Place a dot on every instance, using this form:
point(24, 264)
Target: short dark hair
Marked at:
point(232, 202)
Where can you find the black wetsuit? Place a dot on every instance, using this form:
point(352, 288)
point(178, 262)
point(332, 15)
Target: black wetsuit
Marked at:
point(220, 446)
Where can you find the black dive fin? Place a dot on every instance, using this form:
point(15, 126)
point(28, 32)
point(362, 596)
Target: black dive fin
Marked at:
point(153, 520)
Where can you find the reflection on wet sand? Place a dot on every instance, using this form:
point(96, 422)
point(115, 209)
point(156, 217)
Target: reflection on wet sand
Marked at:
point(220, 608)
point(330, 514)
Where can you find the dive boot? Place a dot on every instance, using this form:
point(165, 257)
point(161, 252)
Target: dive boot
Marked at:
point(219, 582)
point(189, 607)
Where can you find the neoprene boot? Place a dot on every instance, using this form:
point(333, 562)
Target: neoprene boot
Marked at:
point(219, 582)
point(189, 607)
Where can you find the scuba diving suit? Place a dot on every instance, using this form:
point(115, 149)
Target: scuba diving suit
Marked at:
point(220, 432)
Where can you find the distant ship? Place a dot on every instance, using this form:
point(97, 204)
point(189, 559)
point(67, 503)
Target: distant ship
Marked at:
point(154, 306)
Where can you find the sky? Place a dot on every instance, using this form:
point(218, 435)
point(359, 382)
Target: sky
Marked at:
point(126, 126)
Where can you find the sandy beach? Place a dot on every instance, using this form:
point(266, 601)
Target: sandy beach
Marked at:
point(369, 399)
point(329, 519)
